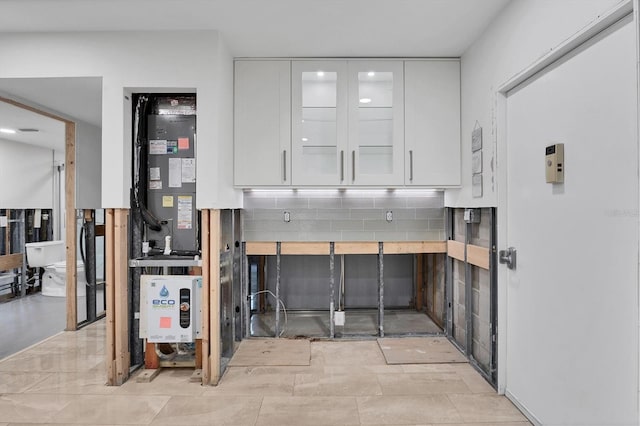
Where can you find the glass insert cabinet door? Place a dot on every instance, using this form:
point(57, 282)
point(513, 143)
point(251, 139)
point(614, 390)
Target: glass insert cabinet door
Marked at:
point(319, 122)
point(376, 125)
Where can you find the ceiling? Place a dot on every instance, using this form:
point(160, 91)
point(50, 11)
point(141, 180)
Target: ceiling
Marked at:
point(316, 28)
point(50, 132)
point(250, 28)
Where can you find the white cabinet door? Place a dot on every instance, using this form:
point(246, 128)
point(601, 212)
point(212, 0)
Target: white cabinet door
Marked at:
point(262, 126)
point(376, 123)
point(319, 122)
point(432, 123)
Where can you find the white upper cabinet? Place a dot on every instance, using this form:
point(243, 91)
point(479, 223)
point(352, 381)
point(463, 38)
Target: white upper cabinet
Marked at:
point(343, 123)
point(262, 123)
point(347, 123)
point(319, 122)
point(376, 123)
point(432, 123)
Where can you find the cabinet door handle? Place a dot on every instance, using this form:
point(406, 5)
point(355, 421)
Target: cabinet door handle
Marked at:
point(341, 166)
point(284, 165)
point(410, 165)
point(353, 166)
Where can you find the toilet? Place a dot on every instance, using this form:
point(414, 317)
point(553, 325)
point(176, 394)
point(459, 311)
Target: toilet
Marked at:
point(50, 255)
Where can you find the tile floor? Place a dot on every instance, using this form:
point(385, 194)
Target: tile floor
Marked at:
point(61, 381)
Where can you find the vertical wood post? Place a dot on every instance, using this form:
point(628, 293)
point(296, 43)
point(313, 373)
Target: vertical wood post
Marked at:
point(70, 223)
point(110, 350)
point(206, 273)
point(214, 296)
point(117, 293)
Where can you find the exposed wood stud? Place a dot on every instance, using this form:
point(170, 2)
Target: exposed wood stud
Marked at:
point(478, 256)
point(70, 221)
point(110, 350)
point(261, 248)
point(121, 289)
point(455, 249)
point(300, 248)
point(206, 272)
point(214, 297)
point(343, 247)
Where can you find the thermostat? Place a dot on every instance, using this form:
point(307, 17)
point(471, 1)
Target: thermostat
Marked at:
point(554, 163)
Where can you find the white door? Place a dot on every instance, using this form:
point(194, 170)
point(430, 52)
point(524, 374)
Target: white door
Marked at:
point(572, 301)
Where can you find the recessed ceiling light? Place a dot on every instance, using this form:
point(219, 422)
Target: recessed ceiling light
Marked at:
point(365, 100)
point(9, 131)
point(320, 73)
point(371, 73)
point(304, 139)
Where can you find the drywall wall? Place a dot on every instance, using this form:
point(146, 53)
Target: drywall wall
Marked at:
point(27, 173)
point(88, 166)
point(129, 62)
point(227, 196)
point(524, 31)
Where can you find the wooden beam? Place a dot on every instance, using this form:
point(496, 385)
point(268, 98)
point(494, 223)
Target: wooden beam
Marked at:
point(408, 247)
point(343, 247)
point(11, 261)
point(305, 248)
point(199, 354)
point(455, 249)
point(70, 226)
point(151, 358)
point(260, 248)
point(206, 272)
point(121, 297)
point(478, 256)
point(110, 350)
point(214, 296)
point(32, 109)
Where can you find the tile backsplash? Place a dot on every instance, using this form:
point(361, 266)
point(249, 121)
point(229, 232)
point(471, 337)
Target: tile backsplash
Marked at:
point(343, 215)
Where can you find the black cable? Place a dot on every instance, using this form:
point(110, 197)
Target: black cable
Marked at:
point(140, 186)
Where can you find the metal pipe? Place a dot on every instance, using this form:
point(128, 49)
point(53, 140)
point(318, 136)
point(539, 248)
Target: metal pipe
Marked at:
point(278, 247)
point(493, 270)
point(23, 286)
point(380, 289)
point(332, 328)
point(448, 277)
point(245, 291)
point(90, 262)
point(468, 294)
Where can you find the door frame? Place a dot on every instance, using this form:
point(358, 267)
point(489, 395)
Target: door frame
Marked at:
point(603, 22)
point(70, 207)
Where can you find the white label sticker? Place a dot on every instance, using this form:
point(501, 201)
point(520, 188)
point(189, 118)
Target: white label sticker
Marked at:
point(154, 173)
point(175, 172)
point(188, 170)
point(155, 184)
point(184, 211)
point(3, 221)
point(157, 146)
